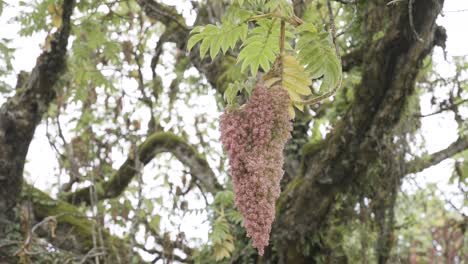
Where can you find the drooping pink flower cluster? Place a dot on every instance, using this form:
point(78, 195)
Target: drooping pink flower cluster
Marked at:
point(254, 137)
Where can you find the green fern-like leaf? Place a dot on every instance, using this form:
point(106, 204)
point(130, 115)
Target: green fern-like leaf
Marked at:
point(293, 79)
point(283, 6)
point(251, 2)
point(236, 87)
point(216, 38)
point(316, 52)
point(231, 92)
point(221, 237)
point(261, 47)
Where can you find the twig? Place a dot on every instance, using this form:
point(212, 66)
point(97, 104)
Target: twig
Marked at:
point(355, 8)
point(158, 9)
point(332, 27)
point(456, 11)
point(346, 2)
point(443, 109)
point(46, 219)
point(93, 253)
point(282, 37)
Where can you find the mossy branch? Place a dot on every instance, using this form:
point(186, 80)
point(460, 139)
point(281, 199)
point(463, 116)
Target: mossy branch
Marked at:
point(160, 142)
point(421, 163)
point(74, 230)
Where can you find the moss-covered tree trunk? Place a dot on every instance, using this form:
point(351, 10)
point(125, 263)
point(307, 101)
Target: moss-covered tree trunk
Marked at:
point(354, 151)
point(19, 117)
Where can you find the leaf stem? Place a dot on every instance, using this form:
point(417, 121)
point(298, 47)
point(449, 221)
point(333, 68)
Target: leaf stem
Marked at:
point(333, 28)
point(282, 37)
point(257, 17)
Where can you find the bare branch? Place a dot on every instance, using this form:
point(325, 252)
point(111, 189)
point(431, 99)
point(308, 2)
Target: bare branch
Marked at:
point(443, 109)
point(333, 28)
point(421, 163)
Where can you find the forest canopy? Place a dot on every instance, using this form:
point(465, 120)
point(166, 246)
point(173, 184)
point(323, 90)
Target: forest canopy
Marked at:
point(232, 131)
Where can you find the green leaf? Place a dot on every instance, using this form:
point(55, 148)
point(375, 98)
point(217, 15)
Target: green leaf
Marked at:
point(194, 39)
point(155, 222)
point(295, 80)
point(216, 38)
point(261, 47)
point(294, 76)
point(283, 6)
point(235, 216)
point(252, 3)
point(221, 237)
point(316, 52)
point(230, 93)
point(224, 198)
point(240, 2)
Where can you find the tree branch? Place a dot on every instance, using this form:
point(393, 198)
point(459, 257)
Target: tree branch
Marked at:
point(73, 230)
point(443, 109)
point(345, 2)
point(168, 245)
point(424, 162)
point(167, 15)
point(157, 143)
point(179, 34)
point(388, 80)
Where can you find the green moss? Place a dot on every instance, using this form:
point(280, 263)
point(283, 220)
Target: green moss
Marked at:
point(154, 144)
point(311, 148)
point(165, 139)
point(69, 216)
point(45, 206)
point(297, 181)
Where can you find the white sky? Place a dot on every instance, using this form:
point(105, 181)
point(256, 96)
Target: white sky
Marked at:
point(439, 131)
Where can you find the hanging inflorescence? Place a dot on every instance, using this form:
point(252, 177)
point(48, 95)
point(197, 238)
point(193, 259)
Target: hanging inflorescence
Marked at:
point(254, 137)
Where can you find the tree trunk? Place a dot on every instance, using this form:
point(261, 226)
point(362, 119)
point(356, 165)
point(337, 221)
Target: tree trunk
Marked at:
point(358, 142)
point(19, 117)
